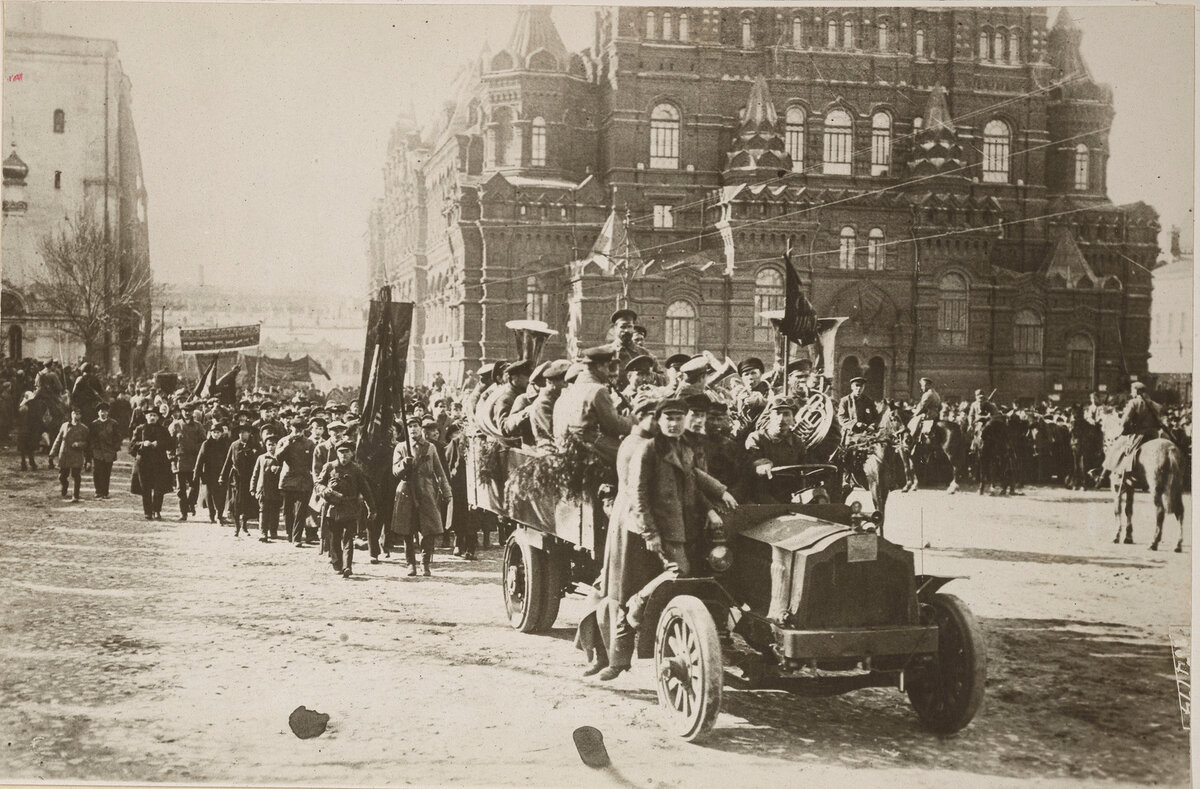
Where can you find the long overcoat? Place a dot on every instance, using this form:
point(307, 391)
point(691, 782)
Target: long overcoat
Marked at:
point(64, 449)
point(421, 479)
point(238, 472)
point(151, 465)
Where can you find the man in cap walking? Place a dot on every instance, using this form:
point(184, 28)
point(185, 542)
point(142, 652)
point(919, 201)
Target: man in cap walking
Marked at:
point(345, 492)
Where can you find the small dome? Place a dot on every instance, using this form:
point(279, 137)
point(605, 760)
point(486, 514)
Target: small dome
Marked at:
point(15, 169)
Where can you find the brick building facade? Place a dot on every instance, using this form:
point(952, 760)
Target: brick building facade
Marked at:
point(939, 175)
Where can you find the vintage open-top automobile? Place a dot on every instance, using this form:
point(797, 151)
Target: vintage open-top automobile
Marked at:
point(807, 597)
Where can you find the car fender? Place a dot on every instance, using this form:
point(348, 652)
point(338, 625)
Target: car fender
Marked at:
point(708, 590)
point(928, 585)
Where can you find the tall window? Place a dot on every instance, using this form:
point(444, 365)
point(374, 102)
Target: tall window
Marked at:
point(664, 137)
point(953, 312)
point(998, 42)
point(768, 295)
point(831, 35)
point(680, 330)
point(1014, 48)
point(1081, 361)
point(664, 216)
point(883, 36)
point(649, 24)
point(1027, 339)
point(797, 33)
point(58, 179)
point(984, 42)
point(683, 27)
point(919, 45)
point(837, 143)
point(881, 143)
point(1081, 167)
point(875, 249)
point(60, 121)
point(747, 33)
point(846, 248)
point(537, 301)
point(537, 143)
point(848, 34)
point(996, 143)
point(795, 137)
point(667, 26)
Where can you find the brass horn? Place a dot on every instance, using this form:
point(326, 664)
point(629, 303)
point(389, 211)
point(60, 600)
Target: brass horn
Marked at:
point(721, 371)
point(826, 338)
point(531, 338)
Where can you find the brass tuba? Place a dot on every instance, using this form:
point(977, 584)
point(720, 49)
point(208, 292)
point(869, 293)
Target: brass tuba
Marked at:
point(826, 337)
point(531, 337)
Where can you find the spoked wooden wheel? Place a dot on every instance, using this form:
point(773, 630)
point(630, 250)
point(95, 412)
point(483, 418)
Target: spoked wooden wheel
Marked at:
point(948, 694)
point(689, 667)
point(527, 599)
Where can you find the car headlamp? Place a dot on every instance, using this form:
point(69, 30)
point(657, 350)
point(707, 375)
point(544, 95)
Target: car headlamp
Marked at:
point(720, 558)
point(856, 508)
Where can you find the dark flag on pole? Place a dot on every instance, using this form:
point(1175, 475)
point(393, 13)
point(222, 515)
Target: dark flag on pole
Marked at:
point(225, 388)
point(207, 381)
point(385, 361)
point(799, 322)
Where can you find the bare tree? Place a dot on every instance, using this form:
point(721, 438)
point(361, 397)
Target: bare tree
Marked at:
point(88, 281)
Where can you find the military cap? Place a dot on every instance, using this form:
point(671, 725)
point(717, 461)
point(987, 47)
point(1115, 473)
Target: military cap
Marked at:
point(643, 402)
point(640, 329)
point(695, 364)
point(317, 419)
point(698, 402)
point(978, 392)
point(624, 312)
point(337, 425)
point(926, 380)
point(536, 377)
point(672, 405)
point(413, 420)
point(428, 422)
point(858, 379)
point(102, 407)
point(676, 359)
point(1138, 386)
point(717, 407)
point(752, 363)
point(573, 371)
point(798, 366)
point(640, 362)
point(520, 367)
point(345, 443)
point(600, 354)
point(486, 369)
point(556, 369)
point(784, 404)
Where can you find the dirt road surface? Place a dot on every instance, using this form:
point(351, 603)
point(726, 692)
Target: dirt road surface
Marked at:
point(160, 651)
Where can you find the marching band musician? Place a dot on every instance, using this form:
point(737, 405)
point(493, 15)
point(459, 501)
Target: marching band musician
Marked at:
point(541, 410)
point(624, 328)
point(725, 457)
point(751, 371)
point(775, 445)
point(671, 369)
point(516, 381)
point(691, 377)
point(639, 373)
point(586, 408)
point(856, 411)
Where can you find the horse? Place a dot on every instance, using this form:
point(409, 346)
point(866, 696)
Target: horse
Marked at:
point(1160, 463)
point(893, 427)
point(944, 438)
point(993, 450)
point(871, 462)
point(1087, 443)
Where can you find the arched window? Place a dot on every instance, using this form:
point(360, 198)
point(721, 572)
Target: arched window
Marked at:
point(848, 34)
point(649, 24)
point(1081, 362)
point(883, 37)
point(832, 33)
point(500, 135)
point(984, 44)
point(795, 137)
point(1027, 339)
point(919, 45)
point(1014, 48)
point(797, 33)
point(875, 248)
point(16, 337)
point(60, 121)
point(881, 143)
point(953, 310)
point(846, 248)
point(664, 137)
point(683, 27)
point(667, 26)
point(679, 334)
point(837, 143)
point(747, 33)
point(996, 144)
point(768, 295)
point(537, 301)
point(999, 39)
point(1082, 155)
point(537, 143)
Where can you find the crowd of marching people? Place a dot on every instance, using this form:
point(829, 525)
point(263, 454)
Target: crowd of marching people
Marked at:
point(292, 466)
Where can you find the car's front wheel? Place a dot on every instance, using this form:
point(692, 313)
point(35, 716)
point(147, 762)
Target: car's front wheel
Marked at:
point(949, 692)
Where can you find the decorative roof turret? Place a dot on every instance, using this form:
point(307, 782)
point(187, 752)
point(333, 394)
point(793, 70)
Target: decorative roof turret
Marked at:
point(936, 148)
point(534, 43)
point(758, 149)
point(15, 170)
point(1066, 263)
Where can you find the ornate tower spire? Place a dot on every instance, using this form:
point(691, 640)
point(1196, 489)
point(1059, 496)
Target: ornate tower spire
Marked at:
point(936, 148)
point(535, 33)
point(1078, 115)
point(758, 149)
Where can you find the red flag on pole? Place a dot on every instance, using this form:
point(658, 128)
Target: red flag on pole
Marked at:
point(799, 322)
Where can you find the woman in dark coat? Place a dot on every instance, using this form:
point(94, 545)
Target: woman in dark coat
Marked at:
point(457, 521)
point(237, 474)
point(150, 446)
point(209, 462)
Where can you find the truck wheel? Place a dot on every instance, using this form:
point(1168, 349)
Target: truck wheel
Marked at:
point(527, 600)
point(947, 695)
point(689, 667)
